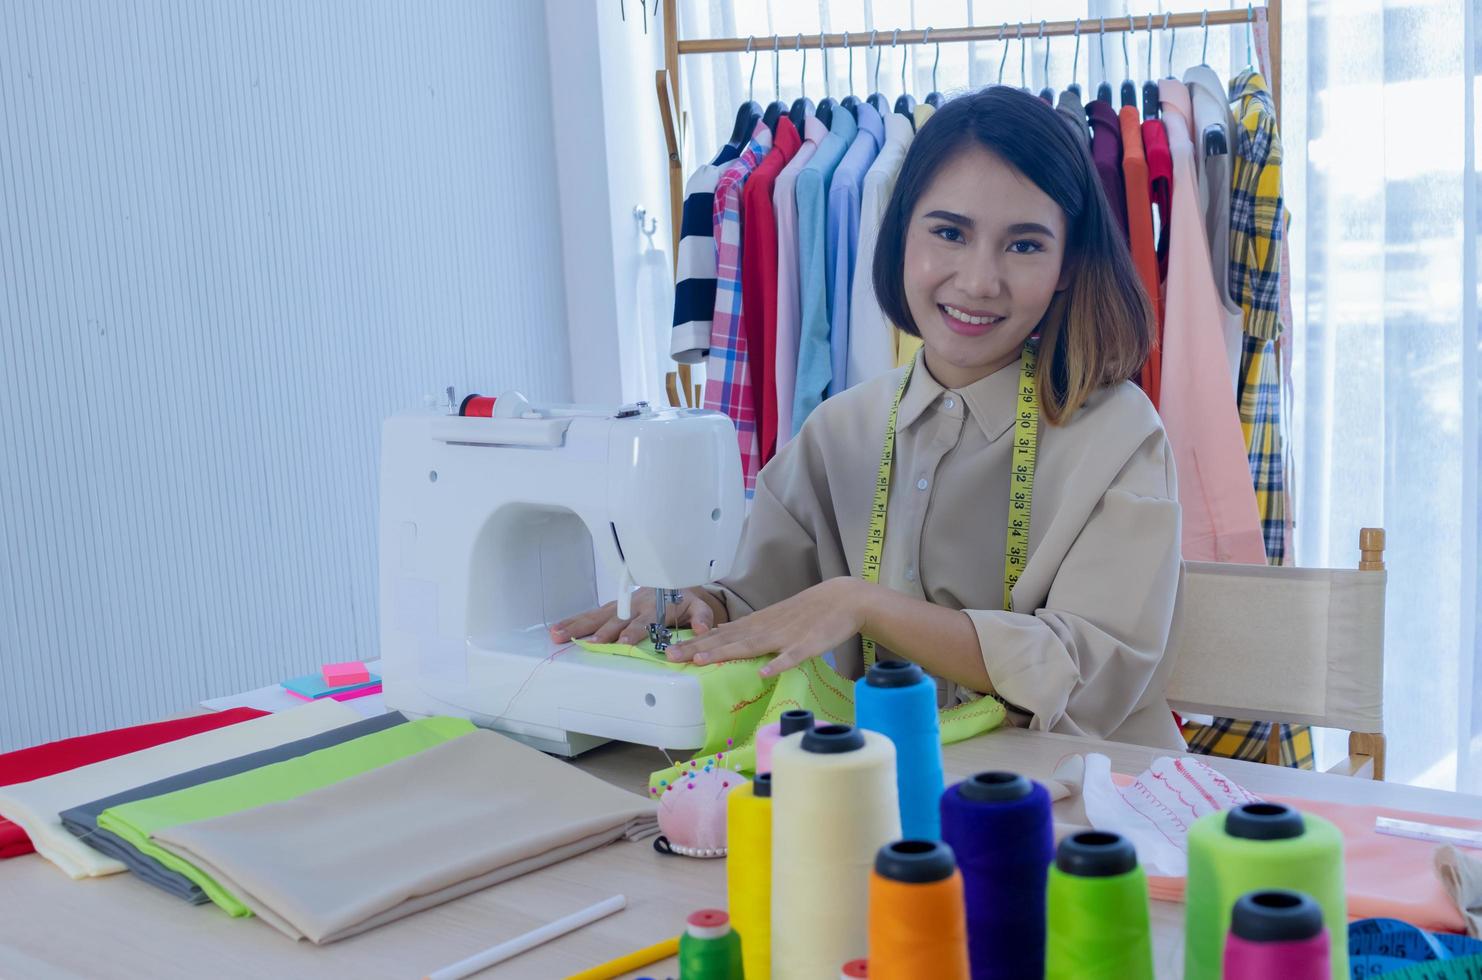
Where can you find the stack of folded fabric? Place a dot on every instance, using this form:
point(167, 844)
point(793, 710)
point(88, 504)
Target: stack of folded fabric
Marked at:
point(322, 824)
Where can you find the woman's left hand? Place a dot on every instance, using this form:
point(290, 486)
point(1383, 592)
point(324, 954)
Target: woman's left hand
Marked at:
point(814, 621)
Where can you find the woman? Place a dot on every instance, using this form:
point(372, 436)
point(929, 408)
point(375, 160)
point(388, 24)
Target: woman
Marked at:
point(998, 251)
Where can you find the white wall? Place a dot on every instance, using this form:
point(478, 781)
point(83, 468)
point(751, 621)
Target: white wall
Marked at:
point(233, 236)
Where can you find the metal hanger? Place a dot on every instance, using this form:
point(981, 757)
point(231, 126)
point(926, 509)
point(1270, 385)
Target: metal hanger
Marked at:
point(934, 98)
point(850, 101)
point(1216, 142)
point(826, 105)
point(906, 103)
point(1075, 62)
point(1047, 93)
point(1172, 41)
point(1003, 60)
point(1103, 91)
point(802, 106)
point(1250, 16)
point(1023, 74)
point(881, 104)
point(750, 111)
point(777, 108)
point(1150, 97)
point(1129, 88)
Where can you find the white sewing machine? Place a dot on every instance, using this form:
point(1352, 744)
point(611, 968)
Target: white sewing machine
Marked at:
point(490, 531)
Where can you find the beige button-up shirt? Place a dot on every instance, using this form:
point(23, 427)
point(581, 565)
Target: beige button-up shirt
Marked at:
point(1082, 651)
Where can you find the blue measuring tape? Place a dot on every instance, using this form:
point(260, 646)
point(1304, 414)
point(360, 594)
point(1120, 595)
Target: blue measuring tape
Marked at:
point(1397, 950)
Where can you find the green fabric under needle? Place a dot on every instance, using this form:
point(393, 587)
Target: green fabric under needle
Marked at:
point(738, 700)
point(135, 822)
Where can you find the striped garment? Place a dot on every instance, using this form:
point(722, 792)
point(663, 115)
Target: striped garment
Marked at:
point(694, 287)
point(1260, 420)
point(728, 386)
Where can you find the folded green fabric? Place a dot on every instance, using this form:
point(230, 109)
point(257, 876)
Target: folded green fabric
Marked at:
point(136, 822)
point(738, 700)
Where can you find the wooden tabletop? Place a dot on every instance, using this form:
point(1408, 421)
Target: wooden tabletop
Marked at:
point(51, 926)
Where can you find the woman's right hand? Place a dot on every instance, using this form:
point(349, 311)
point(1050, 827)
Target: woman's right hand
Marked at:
point(699, 609)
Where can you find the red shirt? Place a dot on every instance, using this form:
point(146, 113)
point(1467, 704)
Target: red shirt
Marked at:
point(759, 280)
point(1160, 185)
point(1140, 235)
point(71, 753)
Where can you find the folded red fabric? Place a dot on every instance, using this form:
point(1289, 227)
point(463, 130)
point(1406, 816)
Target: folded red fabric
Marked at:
point(51, 758)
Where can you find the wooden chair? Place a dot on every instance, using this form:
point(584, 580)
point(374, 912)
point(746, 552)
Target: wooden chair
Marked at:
point(1286, 644)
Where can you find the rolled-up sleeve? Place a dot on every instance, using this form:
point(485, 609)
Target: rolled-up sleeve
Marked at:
point(1093, 653)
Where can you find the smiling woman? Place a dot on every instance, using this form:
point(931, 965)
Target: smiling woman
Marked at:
point(997, 249)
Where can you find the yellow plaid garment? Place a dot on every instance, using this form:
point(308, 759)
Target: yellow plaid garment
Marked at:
point(1232, 739)
point(1256, 210)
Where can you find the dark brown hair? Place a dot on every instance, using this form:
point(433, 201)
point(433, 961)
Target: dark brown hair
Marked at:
point(1099, 329)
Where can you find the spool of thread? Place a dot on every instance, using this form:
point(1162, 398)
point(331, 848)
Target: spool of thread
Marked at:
point(709, 948)
point(898, 700)
point(833, 807)
point(999, 826)
point(1258, 847)
point(855, 970)
point(1277, 934)
point(917, 924)
point(749, 872)
point(794, 720)
point(481, 406)
point(1098, 911)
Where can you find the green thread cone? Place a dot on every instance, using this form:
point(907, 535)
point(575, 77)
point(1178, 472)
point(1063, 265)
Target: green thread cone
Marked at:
point(1098, 927)
point(709, 957)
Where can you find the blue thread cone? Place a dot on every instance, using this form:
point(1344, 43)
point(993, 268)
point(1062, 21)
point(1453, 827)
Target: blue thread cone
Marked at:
point(999, 825)
point(898, 700)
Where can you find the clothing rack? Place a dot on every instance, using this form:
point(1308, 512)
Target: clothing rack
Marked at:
point(671, 105)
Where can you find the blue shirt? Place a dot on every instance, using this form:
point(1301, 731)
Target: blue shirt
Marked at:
point(815, 359)
point(843, 234)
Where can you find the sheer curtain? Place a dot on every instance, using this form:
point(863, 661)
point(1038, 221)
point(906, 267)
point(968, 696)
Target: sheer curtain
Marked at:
point(1377, 119)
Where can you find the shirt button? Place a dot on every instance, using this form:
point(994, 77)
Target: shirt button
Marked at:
point(950, 403)
point(921, 483)
point(910, 575)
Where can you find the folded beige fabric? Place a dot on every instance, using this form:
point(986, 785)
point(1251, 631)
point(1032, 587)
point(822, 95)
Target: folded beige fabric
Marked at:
point(418, 832)
point(1461, 875)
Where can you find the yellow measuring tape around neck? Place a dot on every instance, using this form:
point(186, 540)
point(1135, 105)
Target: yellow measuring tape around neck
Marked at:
point(1021, 487)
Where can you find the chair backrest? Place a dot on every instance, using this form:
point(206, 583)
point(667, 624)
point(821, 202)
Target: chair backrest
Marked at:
point(1300, 645)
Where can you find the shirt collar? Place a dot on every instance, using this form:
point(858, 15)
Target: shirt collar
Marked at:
point(814, 130)
point(898, 130)
point(1249, 84)
point(990, 401)
point(871, 122)
point(843, 125)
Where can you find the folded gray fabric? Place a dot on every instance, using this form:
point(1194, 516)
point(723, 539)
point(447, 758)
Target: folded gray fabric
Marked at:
point(1461, 875)
point(416, 832)
point(82, 821)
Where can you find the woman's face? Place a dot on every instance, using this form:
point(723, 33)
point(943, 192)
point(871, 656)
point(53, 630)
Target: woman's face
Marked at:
point(985, 254)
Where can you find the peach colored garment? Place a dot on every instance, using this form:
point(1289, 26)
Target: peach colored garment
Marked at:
point(1221, 521)
point(1388, 877)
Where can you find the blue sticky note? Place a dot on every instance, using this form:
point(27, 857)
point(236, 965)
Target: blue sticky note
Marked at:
point(312, 686)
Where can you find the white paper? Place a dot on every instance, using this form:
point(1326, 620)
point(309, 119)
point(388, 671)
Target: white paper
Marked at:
point(275, 698)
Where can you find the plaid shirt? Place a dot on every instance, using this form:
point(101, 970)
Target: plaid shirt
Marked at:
point(1256, 211)
point(1260, 419)
point(728, 385)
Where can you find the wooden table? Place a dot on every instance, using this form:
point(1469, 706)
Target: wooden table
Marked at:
point(51, 926)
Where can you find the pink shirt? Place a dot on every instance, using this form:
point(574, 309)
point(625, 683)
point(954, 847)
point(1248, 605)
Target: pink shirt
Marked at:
point(789, 302)
point(1197, 401)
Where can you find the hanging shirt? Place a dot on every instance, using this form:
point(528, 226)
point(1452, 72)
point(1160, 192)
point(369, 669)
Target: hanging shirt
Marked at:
point(1074, 114)
point(907, 344)
point(921, 113)
point(1211, 114)
point(1256, 209)
point(1160, 186)
point(843, 236)
point(1221, 522)
point(789, 300)
point(871, 337)
point(1106, 152)
point(759, 280)
point(815, 358)
point(1082, 650)
point(1256, 232)
point(1140, 236)
point(694, 274)
point(727, 379)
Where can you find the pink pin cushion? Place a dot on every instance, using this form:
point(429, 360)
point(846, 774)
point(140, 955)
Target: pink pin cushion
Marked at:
point(692, 812)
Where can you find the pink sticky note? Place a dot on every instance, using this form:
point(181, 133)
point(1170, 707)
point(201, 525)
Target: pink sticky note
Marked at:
point(349, 672)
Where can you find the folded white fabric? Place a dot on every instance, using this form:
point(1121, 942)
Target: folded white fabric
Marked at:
point(450, 820)
point(1156, 809)
point(1461, 875)
point(36, 805)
